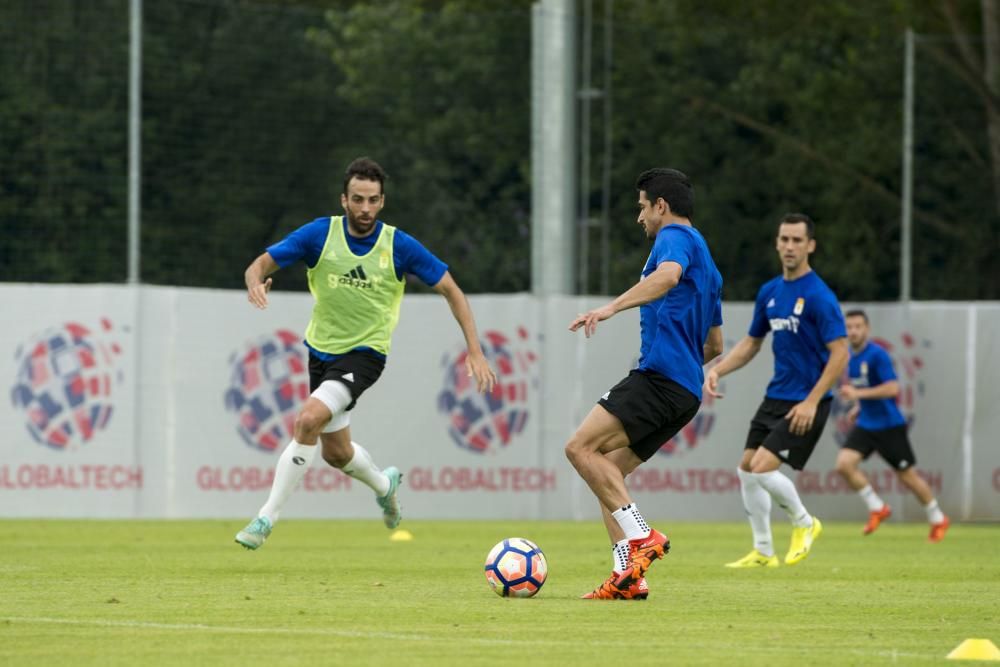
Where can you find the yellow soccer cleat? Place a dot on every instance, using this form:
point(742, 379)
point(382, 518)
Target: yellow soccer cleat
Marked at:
point(802, 541)
point(755, 559)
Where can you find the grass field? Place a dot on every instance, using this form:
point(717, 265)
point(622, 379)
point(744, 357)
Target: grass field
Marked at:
point(339, 592)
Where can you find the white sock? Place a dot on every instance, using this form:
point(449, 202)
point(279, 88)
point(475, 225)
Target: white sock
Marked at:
point(757, 503)
point(363, 469)
point(783, 491)
point(631, 522)
point(871, 498)
point(934, 513)
point(289, 471)
point(619, 556)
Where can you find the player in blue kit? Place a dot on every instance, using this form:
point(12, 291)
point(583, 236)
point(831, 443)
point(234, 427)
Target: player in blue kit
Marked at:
point(810, 353)
point(356, 265)
point(680, 313)
point(879, 427)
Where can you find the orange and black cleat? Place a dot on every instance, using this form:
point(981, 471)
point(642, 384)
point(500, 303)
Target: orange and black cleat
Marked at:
point(608, 591)
point(876, 518)
point(642, 552)
point(938, 530)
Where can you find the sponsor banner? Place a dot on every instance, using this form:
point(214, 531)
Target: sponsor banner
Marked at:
point(67, 429)
point(84, 477)
point(166, 402)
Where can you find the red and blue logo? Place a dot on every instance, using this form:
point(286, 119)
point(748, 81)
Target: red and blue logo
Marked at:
point(66, 377)
point(268, 383)
point(482, 423)
point(694, 431)
point(700, 426)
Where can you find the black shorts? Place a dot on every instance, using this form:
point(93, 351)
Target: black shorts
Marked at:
point(769, 429)
point(356, 370)
point(892, 444)
point(651, 408)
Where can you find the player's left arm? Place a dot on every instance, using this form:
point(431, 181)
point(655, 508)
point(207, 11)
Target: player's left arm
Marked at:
point(888, 388)
point(652, 287)
point(713, 344)
point(476, 364)
point(829, 321)
point(802, 415)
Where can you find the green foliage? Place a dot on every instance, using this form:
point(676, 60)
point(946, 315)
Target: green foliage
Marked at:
point(774, 106)
point(62, 141)
point(451, 126)
point(251, 110)
point(339, 592)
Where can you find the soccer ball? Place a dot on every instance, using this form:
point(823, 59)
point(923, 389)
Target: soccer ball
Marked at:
point(516, 568)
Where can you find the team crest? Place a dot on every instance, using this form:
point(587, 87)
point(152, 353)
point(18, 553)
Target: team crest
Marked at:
point(800, 305)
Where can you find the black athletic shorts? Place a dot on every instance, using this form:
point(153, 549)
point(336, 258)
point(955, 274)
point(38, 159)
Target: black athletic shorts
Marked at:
point(651, 408)
point(357, 370)
point(892, 444)
point(769, 429)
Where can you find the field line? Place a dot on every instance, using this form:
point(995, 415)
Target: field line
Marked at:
point(624, 642)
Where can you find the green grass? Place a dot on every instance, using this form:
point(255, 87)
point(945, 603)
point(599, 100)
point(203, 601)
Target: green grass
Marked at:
point(339, 592)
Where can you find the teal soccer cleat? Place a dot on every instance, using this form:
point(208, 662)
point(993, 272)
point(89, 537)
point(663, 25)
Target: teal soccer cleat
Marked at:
point(255, 533)
point(392, 513)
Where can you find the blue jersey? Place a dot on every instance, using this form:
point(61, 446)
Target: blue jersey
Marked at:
point(871, 367)
point(408, 256)
point(673, 328)
point(804, 315)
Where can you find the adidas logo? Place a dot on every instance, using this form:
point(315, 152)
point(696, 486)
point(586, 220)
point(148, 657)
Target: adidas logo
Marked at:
point(770, 304)
point(348, 376)
point(356, 277)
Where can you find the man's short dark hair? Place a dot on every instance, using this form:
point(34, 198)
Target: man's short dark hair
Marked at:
point(796, 218)
point(857, 312)
point(673, 186)
point(365, 169)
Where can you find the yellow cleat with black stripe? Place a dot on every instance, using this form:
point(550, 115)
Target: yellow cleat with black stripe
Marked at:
point(802, 541)
point(755, 559)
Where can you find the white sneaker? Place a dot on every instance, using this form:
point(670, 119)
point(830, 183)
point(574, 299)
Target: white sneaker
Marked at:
point(392, 512)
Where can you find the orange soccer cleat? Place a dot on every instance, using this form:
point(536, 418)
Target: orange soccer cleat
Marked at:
point(608, 591)
point(938, 530)
point(642, 552)
point(875, 518)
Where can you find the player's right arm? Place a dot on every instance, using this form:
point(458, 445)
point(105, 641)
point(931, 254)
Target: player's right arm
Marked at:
point(257, 281)
point(738, 357)
point(305, 243)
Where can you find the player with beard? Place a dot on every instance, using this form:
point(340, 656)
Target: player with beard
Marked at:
point(356, 265)
point(810, 353)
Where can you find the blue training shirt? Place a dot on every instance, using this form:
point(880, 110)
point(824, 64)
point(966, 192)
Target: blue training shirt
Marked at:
point(871, 367)
point(673, 328)
point(408, 256)
point(804, 315)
